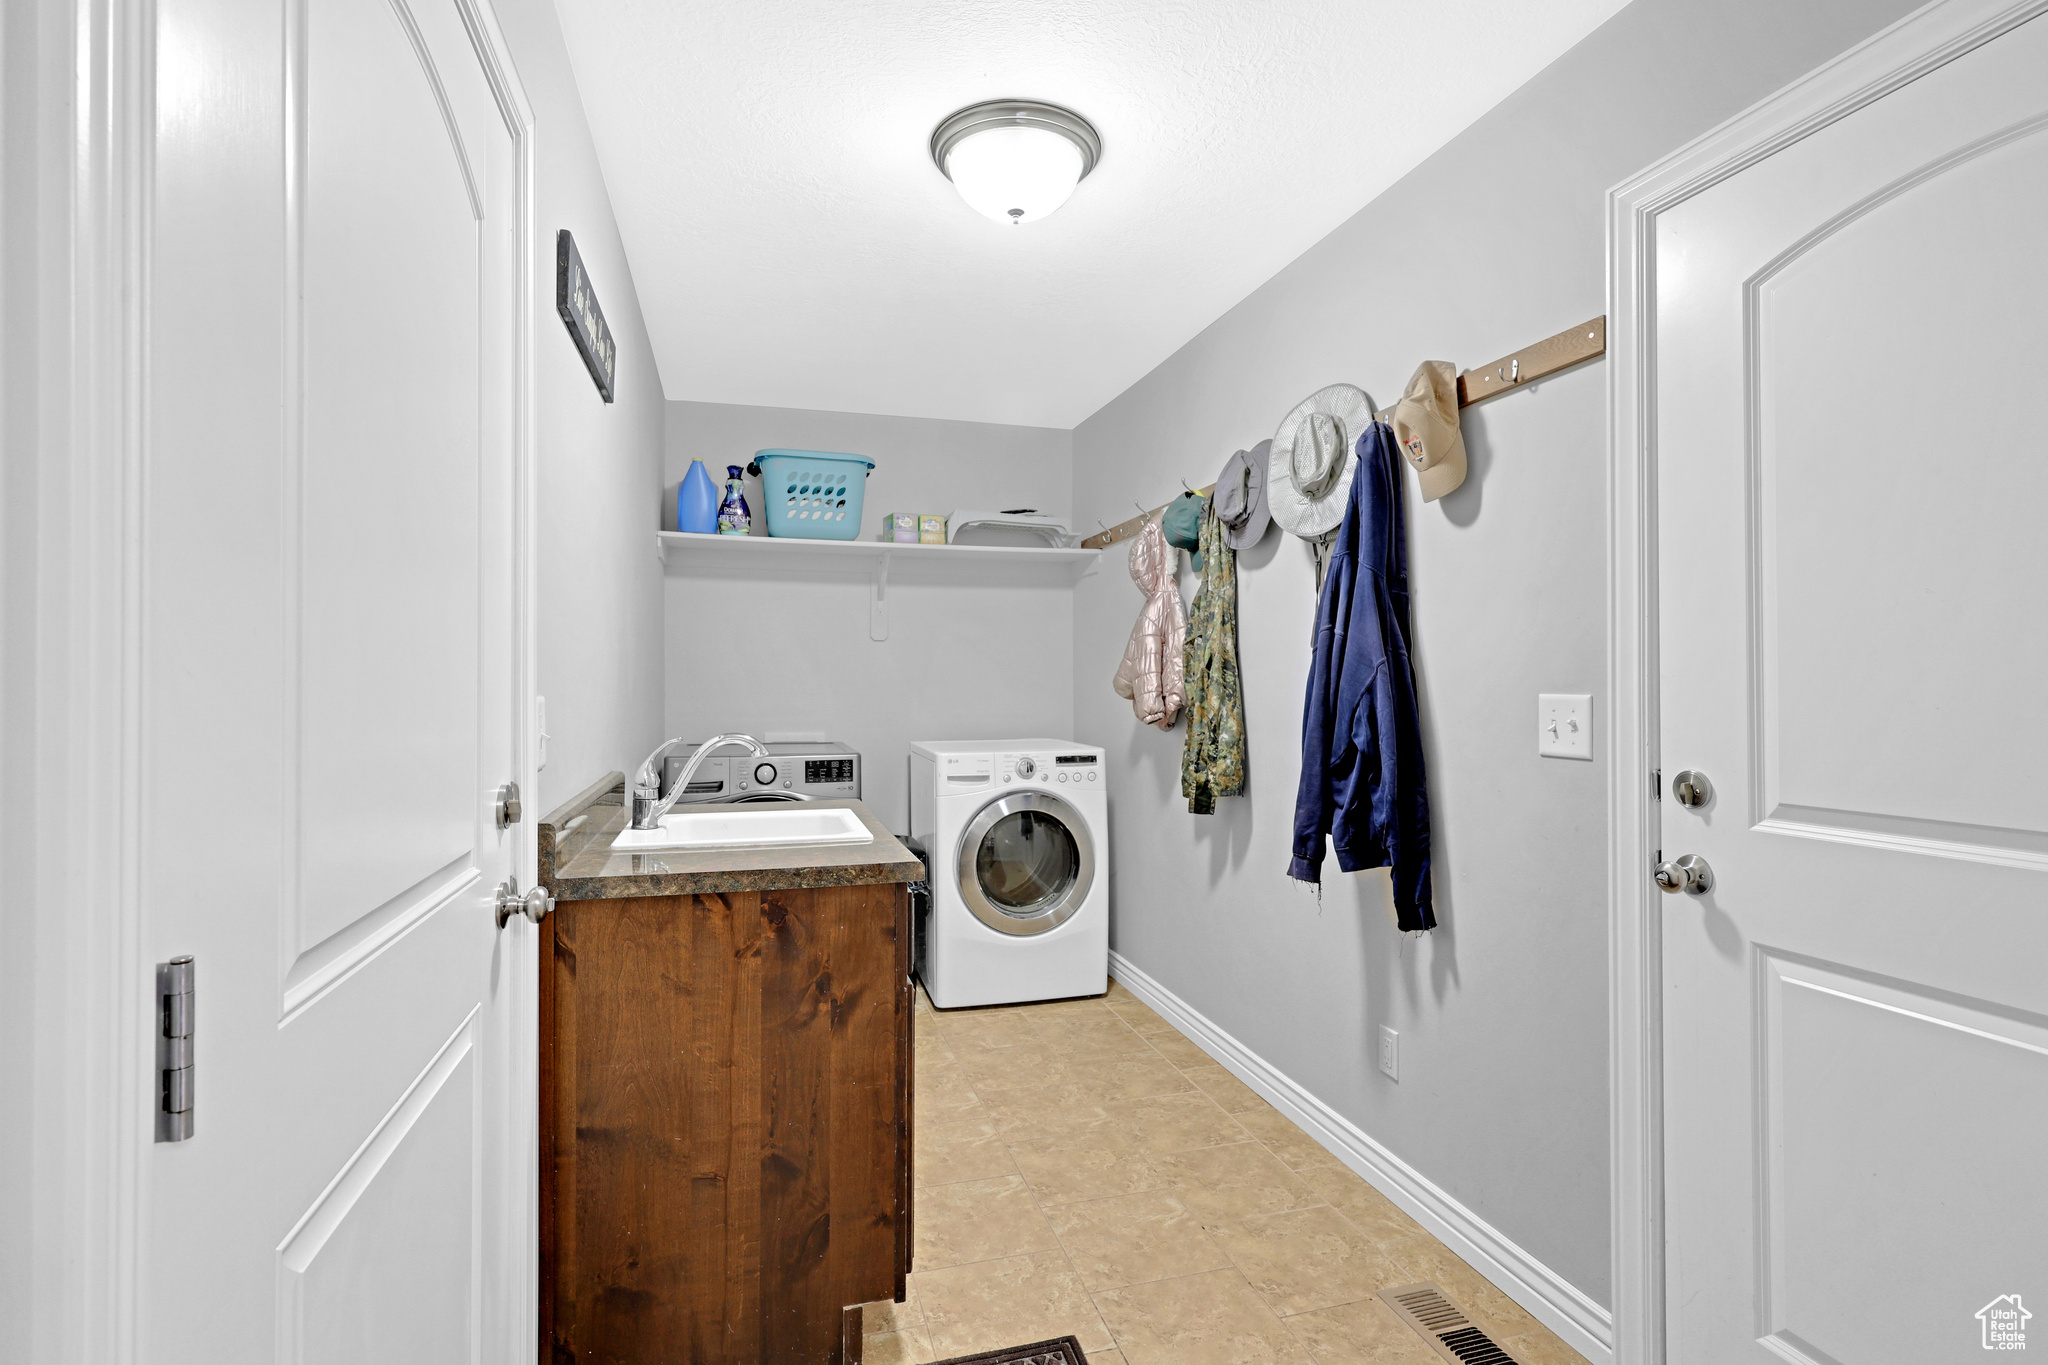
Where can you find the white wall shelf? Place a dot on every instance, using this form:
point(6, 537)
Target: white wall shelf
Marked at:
point(880, 563)
point(711, 554)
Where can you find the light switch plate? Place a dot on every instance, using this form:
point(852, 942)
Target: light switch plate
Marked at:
point(1564, 725)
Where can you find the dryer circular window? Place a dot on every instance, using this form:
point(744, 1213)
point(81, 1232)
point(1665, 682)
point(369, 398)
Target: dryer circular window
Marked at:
point(1026, 863)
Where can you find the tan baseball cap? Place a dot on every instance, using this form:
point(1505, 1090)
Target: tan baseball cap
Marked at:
point(1426, 428)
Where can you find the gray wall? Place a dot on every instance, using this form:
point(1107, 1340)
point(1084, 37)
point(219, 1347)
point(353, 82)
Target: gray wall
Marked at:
point(792, 655)
point(1494, 242)
point(598, 475)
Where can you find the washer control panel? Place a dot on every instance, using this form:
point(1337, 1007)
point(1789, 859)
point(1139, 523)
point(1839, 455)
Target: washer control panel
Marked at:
point(1078, 767)
point(828, 771)
point(791, 771)
point(1045, 770)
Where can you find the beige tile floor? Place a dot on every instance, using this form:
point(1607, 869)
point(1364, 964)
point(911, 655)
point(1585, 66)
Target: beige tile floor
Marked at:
point(1083, 1168)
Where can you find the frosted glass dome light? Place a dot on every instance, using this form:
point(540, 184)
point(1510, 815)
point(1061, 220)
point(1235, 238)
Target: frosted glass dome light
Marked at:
point(1015, 160)
point(1015, 175)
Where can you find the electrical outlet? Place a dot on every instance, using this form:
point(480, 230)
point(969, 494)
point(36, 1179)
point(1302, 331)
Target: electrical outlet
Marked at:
point(1390, 1052)
point(1564, 725)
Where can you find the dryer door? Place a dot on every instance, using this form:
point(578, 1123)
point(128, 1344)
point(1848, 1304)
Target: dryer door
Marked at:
point(1026, 863)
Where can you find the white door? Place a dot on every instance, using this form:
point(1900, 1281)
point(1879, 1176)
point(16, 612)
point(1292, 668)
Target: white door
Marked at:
point(1852, 486)
point(332, 676)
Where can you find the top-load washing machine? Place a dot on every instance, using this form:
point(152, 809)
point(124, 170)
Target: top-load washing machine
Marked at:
point(1016, 835)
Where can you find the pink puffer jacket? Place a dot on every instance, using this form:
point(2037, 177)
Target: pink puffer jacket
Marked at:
point(1150, 674)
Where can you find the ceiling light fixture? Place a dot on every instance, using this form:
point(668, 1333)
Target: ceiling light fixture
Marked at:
point(1015, 160)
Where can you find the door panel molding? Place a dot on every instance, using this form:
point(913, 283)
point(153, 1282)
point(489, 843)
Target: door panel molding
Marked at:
point(410, 23)
point(1878, 1013)
point(1923, 834)
point(307, 927)
point(342, 954)
point(1887, 61)
point(1905, 834)
point(298, 1254)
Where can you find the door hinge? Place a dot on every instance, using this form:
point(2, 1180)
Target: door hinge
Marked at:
point(174, 1049)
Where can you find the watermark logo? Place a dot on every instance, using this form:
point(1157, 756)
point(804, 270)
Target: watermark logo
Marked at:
point(2005, 1323)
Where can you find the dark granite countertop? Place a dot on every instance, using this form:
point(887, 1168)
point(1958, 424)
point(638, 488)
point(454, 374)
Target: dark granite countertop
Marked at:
point(576, 861)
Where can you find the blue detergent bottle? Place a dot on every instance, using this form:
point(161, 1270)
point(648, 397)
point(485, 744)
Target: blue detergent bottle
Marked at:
point(697, 501)
point(733, 517)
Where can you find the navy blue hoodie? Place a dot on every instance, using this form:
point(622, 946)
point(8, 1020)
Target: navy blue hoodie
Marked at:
point(1361, 742)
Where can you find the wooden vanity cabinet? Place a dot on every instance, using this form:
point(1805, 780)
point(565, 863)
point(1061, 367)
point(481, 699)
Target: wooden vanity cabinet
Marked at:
point(724, 1123)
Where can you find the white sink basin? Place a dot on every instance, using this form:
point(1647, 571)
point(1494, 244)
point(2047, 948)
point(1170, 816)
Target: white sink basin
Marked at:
point(738, 827)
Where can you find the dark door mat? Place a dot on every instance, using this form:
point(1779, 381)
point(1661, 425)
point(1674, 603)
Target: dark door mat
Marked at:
point(1058, 1351)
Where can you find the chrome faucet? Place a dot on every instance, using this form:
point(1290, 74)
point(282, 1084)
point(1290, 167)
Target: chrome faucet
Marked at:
point(649, 805)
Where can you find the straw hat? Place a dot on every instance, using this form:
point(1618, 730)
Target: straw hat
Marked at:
point(1426, 428)
point(1309, 472)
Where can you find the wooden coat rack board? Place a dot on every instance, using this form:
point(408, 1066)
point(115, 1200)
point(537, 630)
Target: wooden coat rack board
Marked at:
point(1526, 366)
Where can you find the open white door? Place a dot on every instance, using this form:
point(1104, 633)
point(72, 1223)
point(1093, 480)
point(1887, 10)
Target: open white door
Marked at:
point(1846, 308)
point(334, 645)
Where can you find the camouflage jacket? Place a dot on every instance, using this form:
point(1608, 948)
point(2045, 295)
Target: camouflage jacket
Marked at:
point(1212, 761)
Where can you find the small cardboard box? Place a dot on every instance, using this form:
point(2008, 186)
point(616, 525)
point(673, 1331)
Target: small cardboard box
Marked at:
point(931, 530)
point(900, 527)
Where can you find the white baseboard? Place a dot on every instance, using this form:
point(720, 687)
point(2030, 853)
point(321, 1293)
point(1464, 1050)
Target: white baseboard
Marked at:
point(1583, 1324)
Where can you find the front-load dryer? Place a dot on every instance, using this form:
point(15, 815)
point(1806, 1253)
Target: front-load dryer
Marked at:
point(1016, 833)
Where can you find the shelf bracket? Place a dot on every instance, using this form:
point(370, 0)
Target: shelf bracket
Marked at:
point(878, 600)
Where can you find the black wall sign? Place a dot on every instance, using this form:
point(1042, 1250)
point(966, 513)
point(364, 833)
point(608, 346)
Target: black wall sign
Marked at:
point(576, 301)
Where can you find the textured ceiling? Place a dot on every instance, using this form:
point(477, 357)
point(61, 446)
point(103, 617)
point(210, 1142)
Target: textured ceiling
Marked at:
point(794, 246)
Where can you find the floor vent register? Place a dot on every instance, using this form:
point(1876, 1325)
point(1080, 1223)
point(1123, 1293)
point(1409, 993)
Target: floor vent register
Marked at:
point(1444, 1326)
point(1059, 1351)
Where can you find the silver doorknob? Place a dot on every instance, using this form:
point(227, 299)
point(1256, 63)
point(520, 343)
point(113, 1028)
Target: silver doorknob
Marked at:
point(1689, 874)
point(535, 904)
point(1691, 788)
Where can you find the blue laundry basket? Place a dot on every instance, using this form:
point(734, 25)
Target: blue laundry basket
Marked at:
point(812, 494)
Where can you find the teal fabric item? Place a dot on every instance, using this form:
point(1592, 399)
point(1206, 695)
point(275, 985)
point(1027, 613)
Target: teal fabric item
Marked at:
point(1183, 524)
